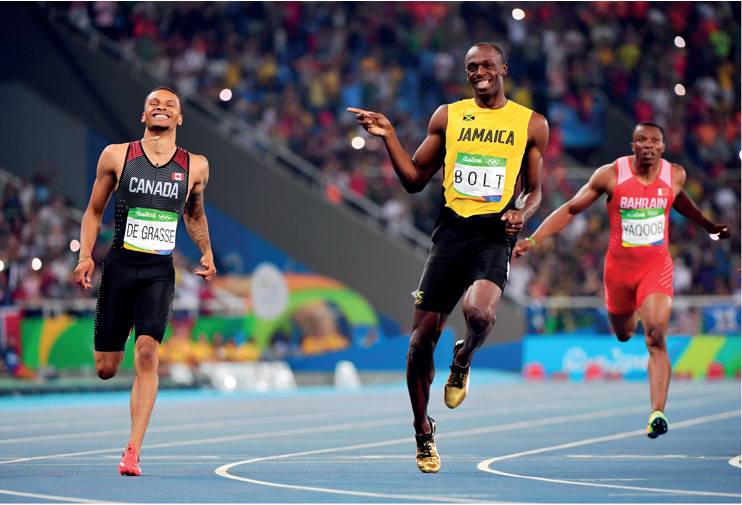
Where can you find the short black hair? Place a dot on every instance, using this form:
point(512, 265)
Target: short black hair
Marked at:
point(493, 46)
point(649, 123)
point(166, 88)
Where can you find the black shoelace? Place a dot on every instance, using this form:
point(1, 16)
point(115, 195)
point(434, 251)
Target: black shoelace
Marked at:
point(425, 445)
point(458, 375)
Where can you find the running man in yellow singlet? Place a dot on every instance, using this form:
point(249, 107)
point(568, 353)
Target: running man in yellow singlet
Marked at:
point(485, 145)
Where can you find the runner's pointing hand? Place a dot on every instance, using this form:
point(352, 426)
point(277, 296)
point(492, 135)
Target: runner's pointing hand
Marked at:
point(373, 122)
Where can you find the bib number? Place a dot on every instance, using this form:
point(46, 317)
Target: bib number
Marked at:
point(642, 227)
point(479, 177)
point(150, 231)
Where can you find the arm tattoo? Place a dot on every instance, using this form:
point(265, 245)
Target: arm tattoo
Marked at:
point(195, 221)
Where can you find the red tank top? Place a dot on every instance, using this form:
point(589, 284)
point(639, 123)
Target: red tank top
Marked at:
point(640, 215)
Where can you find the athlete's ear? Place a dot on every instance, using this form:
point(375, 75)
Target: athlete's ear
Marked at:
point(504, 69)
point(143, 114)
point(180, 119)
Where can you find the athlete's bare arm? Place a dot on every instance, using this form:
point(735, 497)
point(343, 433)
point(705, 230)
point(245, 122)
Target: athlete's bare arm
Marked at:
point(687, 207)
point(530, 197)
point(415, 172)
point(194, 216)
point(110, 163)
point(602, 181)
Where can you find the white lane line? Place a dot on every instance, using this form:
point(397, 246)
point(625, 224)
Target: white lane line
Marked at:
point(53, 498)
point(485, 465)
point(295, 414)
point(298, 418)
point(348, 426)
point(211, 424)
point(736, 461)
point(640, 456)
point(224, 469)
point(303, 431)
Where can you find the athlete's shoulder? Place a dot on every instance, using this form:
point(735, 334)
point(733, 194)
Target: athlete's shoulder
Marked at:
point(604, 177)
point(609, 169)
point(439, 119)
point(114, 155)
point(678, 174)
point(538, 127)
point(116, 148)
point(199, 165)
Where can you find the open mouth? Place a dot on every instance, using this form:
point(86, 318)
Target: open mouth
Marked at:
point(482, 84)
point(161, 116)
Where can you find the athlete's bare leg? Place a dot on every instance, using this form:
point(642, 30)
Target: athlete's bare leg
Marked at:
point(655, 313)
point(144, 392)
point(624, 324)
point(480, 303)
point(426, 330)
point(107, 363)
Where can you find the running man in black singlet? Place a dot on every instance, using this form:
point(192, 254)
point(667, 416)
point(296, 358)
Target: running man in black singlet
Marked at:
point(485, 145)
point(154, 183)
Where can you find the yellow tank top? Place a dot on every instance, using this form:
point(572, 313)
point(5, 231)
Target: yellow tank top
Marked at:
point(484, 151)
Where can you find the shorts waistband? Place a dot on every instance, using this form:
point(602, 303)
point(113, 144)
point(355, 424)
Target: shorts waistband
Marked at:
point(139, 258)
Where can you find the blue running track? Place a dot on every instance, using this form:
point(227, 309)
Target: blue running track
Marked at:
point(509, 441)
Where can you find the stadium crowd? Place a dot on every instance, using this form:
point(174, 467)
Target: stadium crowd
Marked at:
point(293, 67)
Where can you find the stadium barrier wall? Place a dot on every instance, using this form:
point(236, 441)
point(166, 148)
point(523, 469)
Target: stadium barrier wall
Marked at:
point(578, 358)
point(66, 343)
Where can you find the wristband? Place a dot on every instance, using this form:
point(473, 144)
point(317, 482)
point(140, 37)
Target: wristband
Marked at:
point(531, 239)
point(83, 259)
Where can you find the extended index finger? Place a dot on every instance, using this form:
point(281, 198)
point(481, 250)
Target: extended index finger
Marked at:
point(358, 111)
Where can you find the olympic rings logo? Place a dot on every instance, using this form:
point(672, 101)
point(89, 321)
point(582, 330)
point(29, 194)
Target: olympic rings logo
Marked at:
point(492, 161)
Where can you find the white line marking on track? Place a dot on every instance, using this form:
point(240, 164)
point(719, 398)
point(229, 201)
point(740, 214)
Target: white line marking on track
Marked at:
point(512, 409)
point(639, 456)
point(322, 429)
point(53, 498)
point(736, 461)
point(312, 416)
point(692, 402)
point(224, 470)
point(485, 465)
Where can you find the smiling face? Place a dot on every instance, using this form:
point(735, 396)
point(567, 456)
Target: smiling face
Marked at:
point(162, 111)
point(648, 144)
point(484, 71)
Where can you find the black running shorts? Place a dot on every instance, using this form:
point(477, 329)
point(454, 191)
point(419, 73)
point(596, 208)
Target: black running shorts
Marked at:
point(453, 266)
point(138, 295)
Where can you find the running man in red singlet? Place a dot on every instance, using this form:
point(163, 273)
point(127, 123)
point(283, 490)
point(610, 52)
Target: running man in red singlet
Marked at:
point(638, 268)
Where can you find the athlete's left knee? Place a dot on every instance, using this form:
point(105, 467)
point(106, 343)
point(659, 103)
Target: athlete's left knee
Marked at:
point(479, 319)
point(147, 355)
point(655, 338)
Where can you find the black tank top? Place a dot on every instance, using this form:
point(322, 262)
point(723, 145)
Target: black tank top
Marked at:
point(149, 203)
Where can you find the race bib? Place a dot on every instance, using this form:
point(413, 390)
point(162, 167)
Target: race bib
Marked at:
point(479, 177)
point(150, 231)
point(642, 227)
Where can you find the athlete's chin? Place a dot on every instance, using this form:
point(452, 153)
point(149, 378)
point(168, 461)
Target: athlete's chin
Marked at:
point(161, 127)
point(484, 93)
